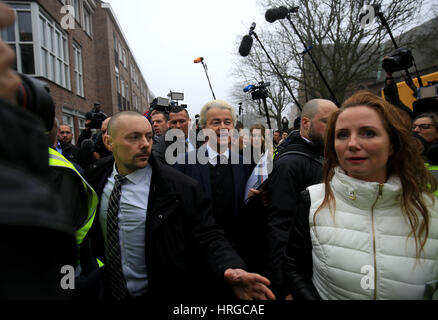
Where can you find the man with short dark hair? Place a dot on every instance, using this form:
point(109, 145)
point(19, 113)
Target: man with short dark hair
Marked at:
point(69, 150)
point(179, 119)
point(277, 137)
point(65, 134)
point(179, 122)
point(159, 121)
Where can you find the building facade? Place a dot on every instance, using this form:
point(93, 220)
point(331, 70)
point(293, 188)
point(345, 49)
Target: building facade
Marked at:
point(78, 49)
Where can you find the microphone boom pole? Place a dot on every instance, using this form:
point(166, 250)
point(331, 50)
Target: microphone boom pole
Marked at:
point(314, 62)
point(408, 78)
point(278, 72)
point(201, 60)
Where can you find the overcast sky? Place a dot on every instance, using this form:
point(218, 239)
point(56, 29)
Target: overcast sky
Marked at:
point(165, 37)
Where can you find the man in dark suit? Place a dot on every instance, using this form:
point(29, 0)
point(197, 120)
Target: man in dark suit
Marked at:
point(141, 198)
point(220, 171)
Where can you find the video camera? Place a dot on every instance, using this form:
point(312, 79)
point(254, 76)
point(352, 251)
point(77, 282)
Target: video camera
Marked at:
point(96, 116)
point(160, 104)
point(164, 105)
point(430, 91)
point(427, 99)
point(400, 59)
point(258, 92)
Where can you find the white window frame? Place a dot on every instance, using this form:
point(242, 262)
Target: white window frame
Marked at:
point(118, 82)
point(88, 23)
point(17, 42)
point(76, 4)
point(54, 56)
point(78, 70)
point(124, 58)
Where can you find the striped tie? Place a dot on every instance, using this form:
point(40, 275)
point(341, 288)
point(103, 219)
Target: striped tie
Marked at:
point(117, 280)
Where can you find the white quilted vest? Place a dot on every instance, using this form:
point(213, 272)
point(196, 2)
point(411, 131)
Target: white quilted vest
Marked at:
point(364, 252)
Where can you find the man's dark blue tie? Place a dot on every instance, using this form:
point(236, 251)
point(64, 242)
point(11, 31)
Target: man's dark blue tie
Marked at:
point(117, 280)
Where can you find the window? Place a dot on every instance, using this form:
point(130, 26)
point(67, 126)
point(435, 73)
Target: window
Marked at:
point(124, 58)
point(87, 20)
point(135, 102)
point(40, 45)
point(118, 82)
point(20, 37)
point(54, 53)
point(122, 85)
point(81, 124)
point(120, 52)
point(76, 6)
point(78, 70)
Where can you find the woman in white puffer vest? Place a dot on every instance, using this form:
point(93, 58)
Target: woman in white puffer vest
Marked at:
point(370, 230)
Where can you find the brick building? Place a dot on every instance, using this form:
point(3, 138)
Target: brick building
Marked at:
point(81, 53)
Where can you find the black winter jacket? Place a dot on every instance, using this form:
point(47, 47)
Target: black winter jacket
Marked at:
point(180, 233)
point(291, 175)
point(298, 263)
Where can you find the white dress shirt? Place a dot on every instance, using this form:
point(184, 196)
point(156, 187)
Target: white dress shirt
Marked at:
point(190, 146)
point(212, 155)
point(132, 225)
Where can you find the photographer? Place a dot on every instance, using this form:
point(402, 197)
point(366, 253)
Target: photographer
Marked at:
point(391, 91)
point(92, 146)
point(36, 237)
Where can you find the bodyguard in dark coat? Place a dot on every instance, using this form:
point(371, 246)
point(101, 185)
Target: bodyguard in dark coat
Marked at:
point(180, 233)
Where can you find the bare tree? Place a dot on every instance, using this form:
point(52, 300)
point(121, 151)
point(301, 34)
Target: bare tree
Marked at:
point(347, 54)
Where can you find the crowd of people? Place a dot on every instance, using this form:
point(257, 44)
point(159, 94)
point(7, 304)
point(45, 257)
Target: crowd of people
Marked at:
point(348, 211)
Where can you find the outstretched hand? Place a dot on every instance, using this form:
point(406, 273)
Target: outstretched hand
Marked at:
point(248, 286)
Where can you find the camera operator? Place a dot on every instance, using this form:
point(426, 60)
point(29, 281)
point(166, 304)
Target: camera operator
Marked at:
point(36, 237)
point(92, 146)
point(391, 91)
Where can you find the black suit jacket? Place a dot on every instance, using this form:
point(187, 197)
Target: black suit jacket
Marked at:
point(201, 173)
point(181, 234)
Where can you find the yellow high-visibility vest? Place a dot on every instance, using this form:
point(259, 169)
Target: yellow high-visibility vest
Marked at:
point(434, 171)
point(58, 160)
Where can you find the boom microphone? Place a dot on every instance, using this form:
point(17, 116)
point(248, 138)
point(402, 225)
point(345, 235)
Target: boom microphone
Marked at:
point(307, 50)
point(279, 13)
point(251, 30)
point(245, 45)
point(198, 60)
